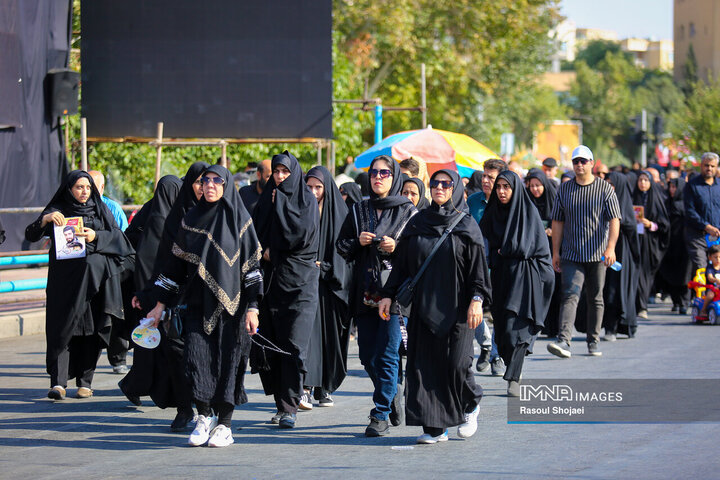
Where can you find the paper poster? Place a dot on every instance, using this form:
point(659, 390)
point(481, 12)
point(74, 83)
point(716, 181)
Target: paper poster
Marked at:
point(639, 215)
point(67, 243)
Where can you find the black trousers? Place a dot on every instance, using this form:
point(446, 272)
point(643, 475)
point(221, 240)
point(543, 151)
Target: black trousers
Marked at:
point(79, 360)
point(118, 347)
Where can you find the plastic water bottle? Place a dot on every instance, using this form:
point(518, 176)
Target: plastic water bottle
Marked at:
point(617, 266)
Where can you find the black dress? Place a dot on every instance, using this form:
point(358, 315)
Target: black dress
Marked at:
point(676, 268)
point(288, 226)
point(521, 272)
point(83, 294)
point(440, 383)
point(330, 338)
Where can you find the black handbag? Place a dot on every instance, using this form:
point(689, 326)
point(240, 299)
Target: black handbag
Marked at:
point(403, 297)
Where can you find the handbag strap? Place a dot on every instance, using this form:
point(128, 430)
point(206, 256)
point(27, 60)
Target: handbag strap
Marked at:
point(435, 248)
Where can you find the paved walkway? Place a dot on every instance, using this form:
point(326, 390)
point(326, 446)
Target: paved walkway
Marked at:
point(106, 437)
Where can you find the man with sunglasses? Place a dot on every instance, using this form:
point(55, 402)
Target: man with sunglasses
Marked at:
point(585, 228)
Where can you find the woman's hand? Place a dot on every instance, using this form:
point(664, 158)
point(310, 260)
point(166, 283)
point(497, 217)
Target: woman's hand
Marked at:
point(156, 314)
point(548, 232)
point(266, 255)
point(387, 245)
point(88, 233)
point(365, 238)
point(273, 195)
point(251, 322)
point(647, 223)
point(53, 217)
point(384, 308)
point(474, 314)
point(136, 303)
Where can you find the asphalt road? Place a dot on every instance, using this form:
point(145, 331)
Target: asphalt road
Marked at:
point(106, 437)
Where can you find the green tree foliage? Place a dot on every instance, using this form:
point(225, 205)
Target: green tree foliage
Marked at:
point(690, 71)
point(697, 123)
point(596, 50)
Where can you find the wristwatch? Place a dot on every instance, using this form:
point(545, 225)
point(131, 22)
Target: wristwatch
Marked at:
point(477, 298)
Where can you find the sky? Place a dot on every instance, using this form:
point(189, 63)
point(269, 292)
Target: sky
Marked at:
point(629, 18)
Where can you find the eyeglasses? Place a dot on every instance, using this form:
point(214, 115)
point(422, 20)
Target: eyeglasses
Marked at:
point(382, 173)
point(581, 160)
point(446, 184)
point(215, 180)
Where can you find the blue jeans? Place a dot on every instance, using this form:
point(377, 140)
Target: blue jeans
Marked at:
point(378, 342)
point(486, 338)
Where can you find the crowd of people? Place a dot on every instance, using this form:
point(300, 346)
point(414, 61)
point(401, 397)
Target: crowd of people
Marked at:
point(278, 276)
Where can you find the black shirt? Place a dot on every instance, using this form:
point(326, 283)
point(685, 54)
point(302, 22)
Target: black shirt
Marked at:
point(250, 196)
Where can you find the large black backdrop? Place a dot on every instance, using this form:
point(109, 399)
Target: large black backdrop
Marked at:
point(34, 38)
point(212, 68)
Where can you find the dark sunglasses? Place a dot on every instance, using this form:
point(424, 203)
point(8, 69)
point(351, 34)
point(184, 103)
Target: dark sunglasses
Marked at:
point(215, 180)
point(446, 184)
point(382, 173)
point(581, 160)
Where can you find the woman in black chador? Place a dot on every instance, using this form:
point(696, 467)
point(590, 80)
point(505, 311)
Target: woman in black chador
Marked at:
point(654, 240)
point(328, 347)
point(446, 307)
point(521, 272)
point(676, 269)
point(542, 193)
point(83, 294)
point(287, 220)
point(368, 238)
point(214, 272)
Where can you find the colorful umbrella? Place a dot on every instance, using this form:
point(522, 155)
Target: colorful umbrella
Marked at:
point(439, 149)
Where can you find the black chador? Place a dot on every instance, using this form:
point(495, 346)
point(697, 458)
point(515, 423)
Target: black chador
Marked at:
point(287, 222)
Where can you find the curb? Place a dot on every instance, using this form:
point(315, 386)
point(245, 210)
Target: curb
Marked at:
point(24, 322)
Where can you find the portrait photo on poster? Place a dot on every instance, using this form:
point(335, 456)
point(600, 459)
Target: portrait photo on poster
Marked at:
point(67, 243)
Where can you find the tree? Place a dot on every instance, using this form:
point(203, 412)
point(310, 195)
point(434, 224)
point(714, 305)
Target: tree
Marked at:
point(596, 50)
point(690, 71)
point(698, 123)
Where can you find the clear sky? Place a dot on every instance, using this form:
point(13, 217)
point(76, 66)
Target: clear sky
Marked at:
point(629, 18)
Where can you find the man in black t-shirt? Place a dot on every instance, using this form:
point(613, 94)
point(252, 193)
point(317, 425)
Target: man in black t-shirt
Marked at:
point(250, 194)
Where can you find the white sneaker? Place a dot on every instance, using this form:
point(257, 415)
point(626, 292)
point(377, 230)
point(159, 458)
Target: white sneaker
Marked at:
point(468, 429)
point(221, 437)
point(428, 439)
point(306, 401)
point(201, 434)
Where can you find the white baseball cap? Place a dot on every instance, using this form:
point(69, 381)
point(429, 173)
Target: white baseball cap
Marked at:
point(582, 151)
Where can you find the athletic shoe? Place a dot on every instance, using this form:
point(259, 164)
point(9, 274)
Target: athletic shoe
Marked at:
point(483, 361)
point(57, 393)
point(674, 308)
point(326, 401)
point(305, 401)
point(428, 439)
point(682, 310)
point(120, 369)
point(221, 436)
point(642, 314)
point(468, 429)
point(609, 337)
point(513, 389)
point(397, 412)
point(203, 427)
point(276, 418)
point(84, 392)
point(182, 420)
point(497, 366)
point(593, 349)
point(560, 349)
point(377, 427)
point(287, 420)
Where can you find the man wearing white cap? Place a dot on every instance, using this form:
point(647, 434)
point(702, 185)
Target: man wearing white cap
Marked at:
point(585, 228)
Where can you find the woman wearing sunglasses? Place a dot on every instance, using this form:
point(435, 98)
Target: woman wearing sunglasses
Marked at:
point(215, 264)
point(369, 238)
point(446, 308)
point(521, 272)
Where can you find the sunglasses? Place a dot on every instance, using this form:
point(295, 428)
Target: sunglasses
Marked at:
point(581, 160)
point(215, 180)
point(382, 173)
point(446, 184)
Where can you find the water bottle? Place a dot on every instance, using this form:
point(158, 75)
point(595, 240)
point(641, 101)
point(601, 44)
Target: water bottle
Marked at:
point(617, 266)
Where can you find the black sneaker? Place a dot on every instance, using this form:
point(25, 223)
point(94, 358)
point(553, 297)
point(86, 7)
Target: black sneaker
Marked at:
point(593, 349)
point(377, 427)
point(326, 400)
point(182, 420)
point(483, 361)
point(397, 412)
point(497, 366)
point(287, 420)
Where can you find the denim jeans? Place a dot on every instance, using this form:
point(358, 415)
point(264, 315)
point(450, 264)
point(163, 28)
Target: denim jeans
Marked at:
point(574, 276)
point(378, 343)
point(486, 338)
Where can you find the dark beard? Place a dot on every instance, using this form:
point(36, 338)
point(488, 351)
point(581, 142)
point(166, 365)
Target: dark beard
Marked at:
point(261, 184)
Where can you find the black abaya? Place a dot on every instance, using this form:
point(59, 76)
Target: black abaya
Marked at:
point(676, 268)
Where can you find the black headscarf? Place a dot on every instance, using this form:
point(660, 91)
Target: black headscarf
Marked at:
point(363, 181)
point(675, 204)
point(185, 200)
point(475, 183)
point(628, 224)
point(353, 192)
point(433, 221)
point(220, 239)
point(546, 201)
point(519, 253)
point(334, 268)
point(654, 202)
point(388, 221)
point(63, 201)
point(150, 221)
point(290, 223)
point(422, 200)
